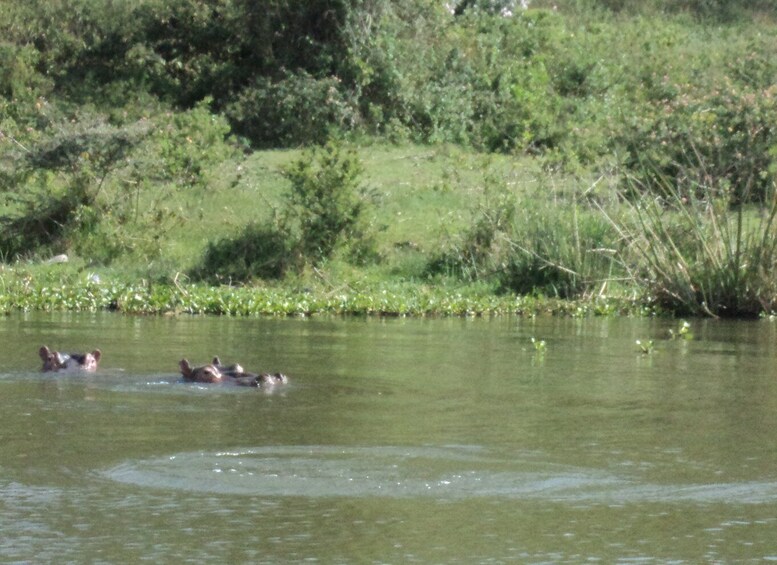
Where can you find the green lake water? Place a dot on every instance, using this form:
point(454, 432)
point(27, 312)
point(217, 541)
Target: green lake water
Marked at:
point(396, 441)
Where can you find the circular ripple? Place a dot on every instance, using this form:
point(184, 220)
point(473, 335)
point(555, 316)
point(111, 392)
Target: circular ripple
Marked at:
point(444, 473)
point(376, 471)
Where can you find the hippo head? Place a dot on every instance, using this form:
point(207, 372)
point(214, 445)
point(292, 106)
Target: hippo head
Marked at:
point(52, 360)
point(204, 374)
point(56, 361)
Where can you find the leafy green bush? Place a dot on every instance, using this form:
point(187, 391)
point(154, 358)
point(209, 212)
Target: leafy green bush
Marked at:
point(327, 203)
point(99, 190)
point(566, 251)
point(50, 187)
point(295, 110)
point(19, 79)
point(481, 79)
point(478, 253)
point(185, 146)
point(259, 251)
point(554, 245)
point(722, 143)
point(323, 213)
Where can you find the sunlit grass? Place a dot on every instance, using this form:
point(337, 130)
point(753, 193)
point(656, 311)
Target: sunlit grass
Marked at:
point(423, 195)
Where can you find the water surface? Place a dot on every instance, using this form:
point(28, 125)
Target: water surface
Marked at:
point(397, 441)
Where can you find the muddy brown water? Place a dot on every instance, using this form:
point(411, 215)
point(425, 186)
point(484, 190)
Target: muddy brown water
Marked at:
point(397, 441)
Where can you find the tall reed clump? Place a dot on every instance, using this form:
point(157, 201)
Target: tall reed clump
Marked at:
point(548, 243)
point(560, 248)
point(696, 254)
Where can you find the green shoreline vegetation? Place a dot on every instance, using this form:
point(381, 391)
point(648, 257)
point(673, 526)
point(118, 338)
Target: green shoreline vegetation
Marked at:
point(394, 158)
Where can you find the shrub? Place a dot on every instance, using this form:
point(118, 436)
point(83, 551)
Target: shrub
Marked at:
point(323, 212)
point(51, 185)
point(18, 77)
point(87, 186)
point(295, 110)
point(327, 203)
point(259, 251)
point(566, 250)
point(525, 115)
point(537, 244)
point(479, 252)
point(186, 145)
point(718, 143)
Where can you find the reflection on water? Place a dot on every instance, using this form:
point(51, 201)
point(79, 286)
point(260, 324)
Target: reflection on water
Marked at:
point(412, 441)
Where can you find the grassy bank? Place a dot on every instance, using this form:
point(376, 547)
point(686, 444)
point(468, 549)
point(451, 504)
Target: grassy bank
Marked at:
point(423, 200)
point(429, 259)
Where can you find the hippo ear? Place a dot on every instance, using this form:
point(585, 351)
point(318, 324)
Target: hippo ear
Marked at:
point(96, 354)
point(186, 369)
point(44, 352)
point(216, 361)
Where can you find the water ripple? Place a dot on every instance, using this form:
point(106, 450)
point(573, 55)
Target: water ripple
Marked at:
point(440, 472)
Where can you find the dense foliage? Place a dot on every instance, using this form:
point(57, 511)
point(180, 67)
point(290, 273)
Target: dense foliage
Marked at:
point(297, 71)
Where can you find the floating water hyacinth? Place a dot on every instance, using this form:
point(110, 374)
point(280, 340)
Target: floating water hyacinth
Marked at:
point(683, 331)
point(645, 346)
point(23, 290)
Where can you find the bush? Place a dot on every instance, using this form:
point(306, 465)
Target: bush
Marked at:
point(86, 186)
point(565, 251)
point(479, 252)
point(327, 203)
point(186, 145)
point(19, 79)
point(324, 212)
point(721, 143)
point(550, 244)
point(259, 251)
point(295, 110)
point(50, 186)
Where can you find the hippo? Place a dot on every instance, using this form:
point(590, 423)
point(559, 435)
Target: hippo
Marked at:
point(274, 379)
point(237, 375)
point(205, 374)
point(69, 362)
point(234, 370)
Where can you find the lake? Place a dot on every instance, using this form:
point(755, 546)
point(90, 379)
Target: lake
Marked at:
point(396, 441)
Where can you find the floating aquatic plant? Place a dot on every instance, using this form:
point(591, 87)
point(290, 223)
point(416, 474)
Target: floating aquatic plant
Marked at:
point(683, 331)
point(646, 347)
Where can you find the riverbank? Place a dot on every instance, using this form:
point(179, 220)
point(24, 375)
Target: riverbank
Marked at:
point(447, 232)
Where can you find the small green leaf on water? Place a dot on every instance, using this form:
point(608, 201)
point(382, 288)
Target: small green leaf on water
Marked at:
point(645, 346)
